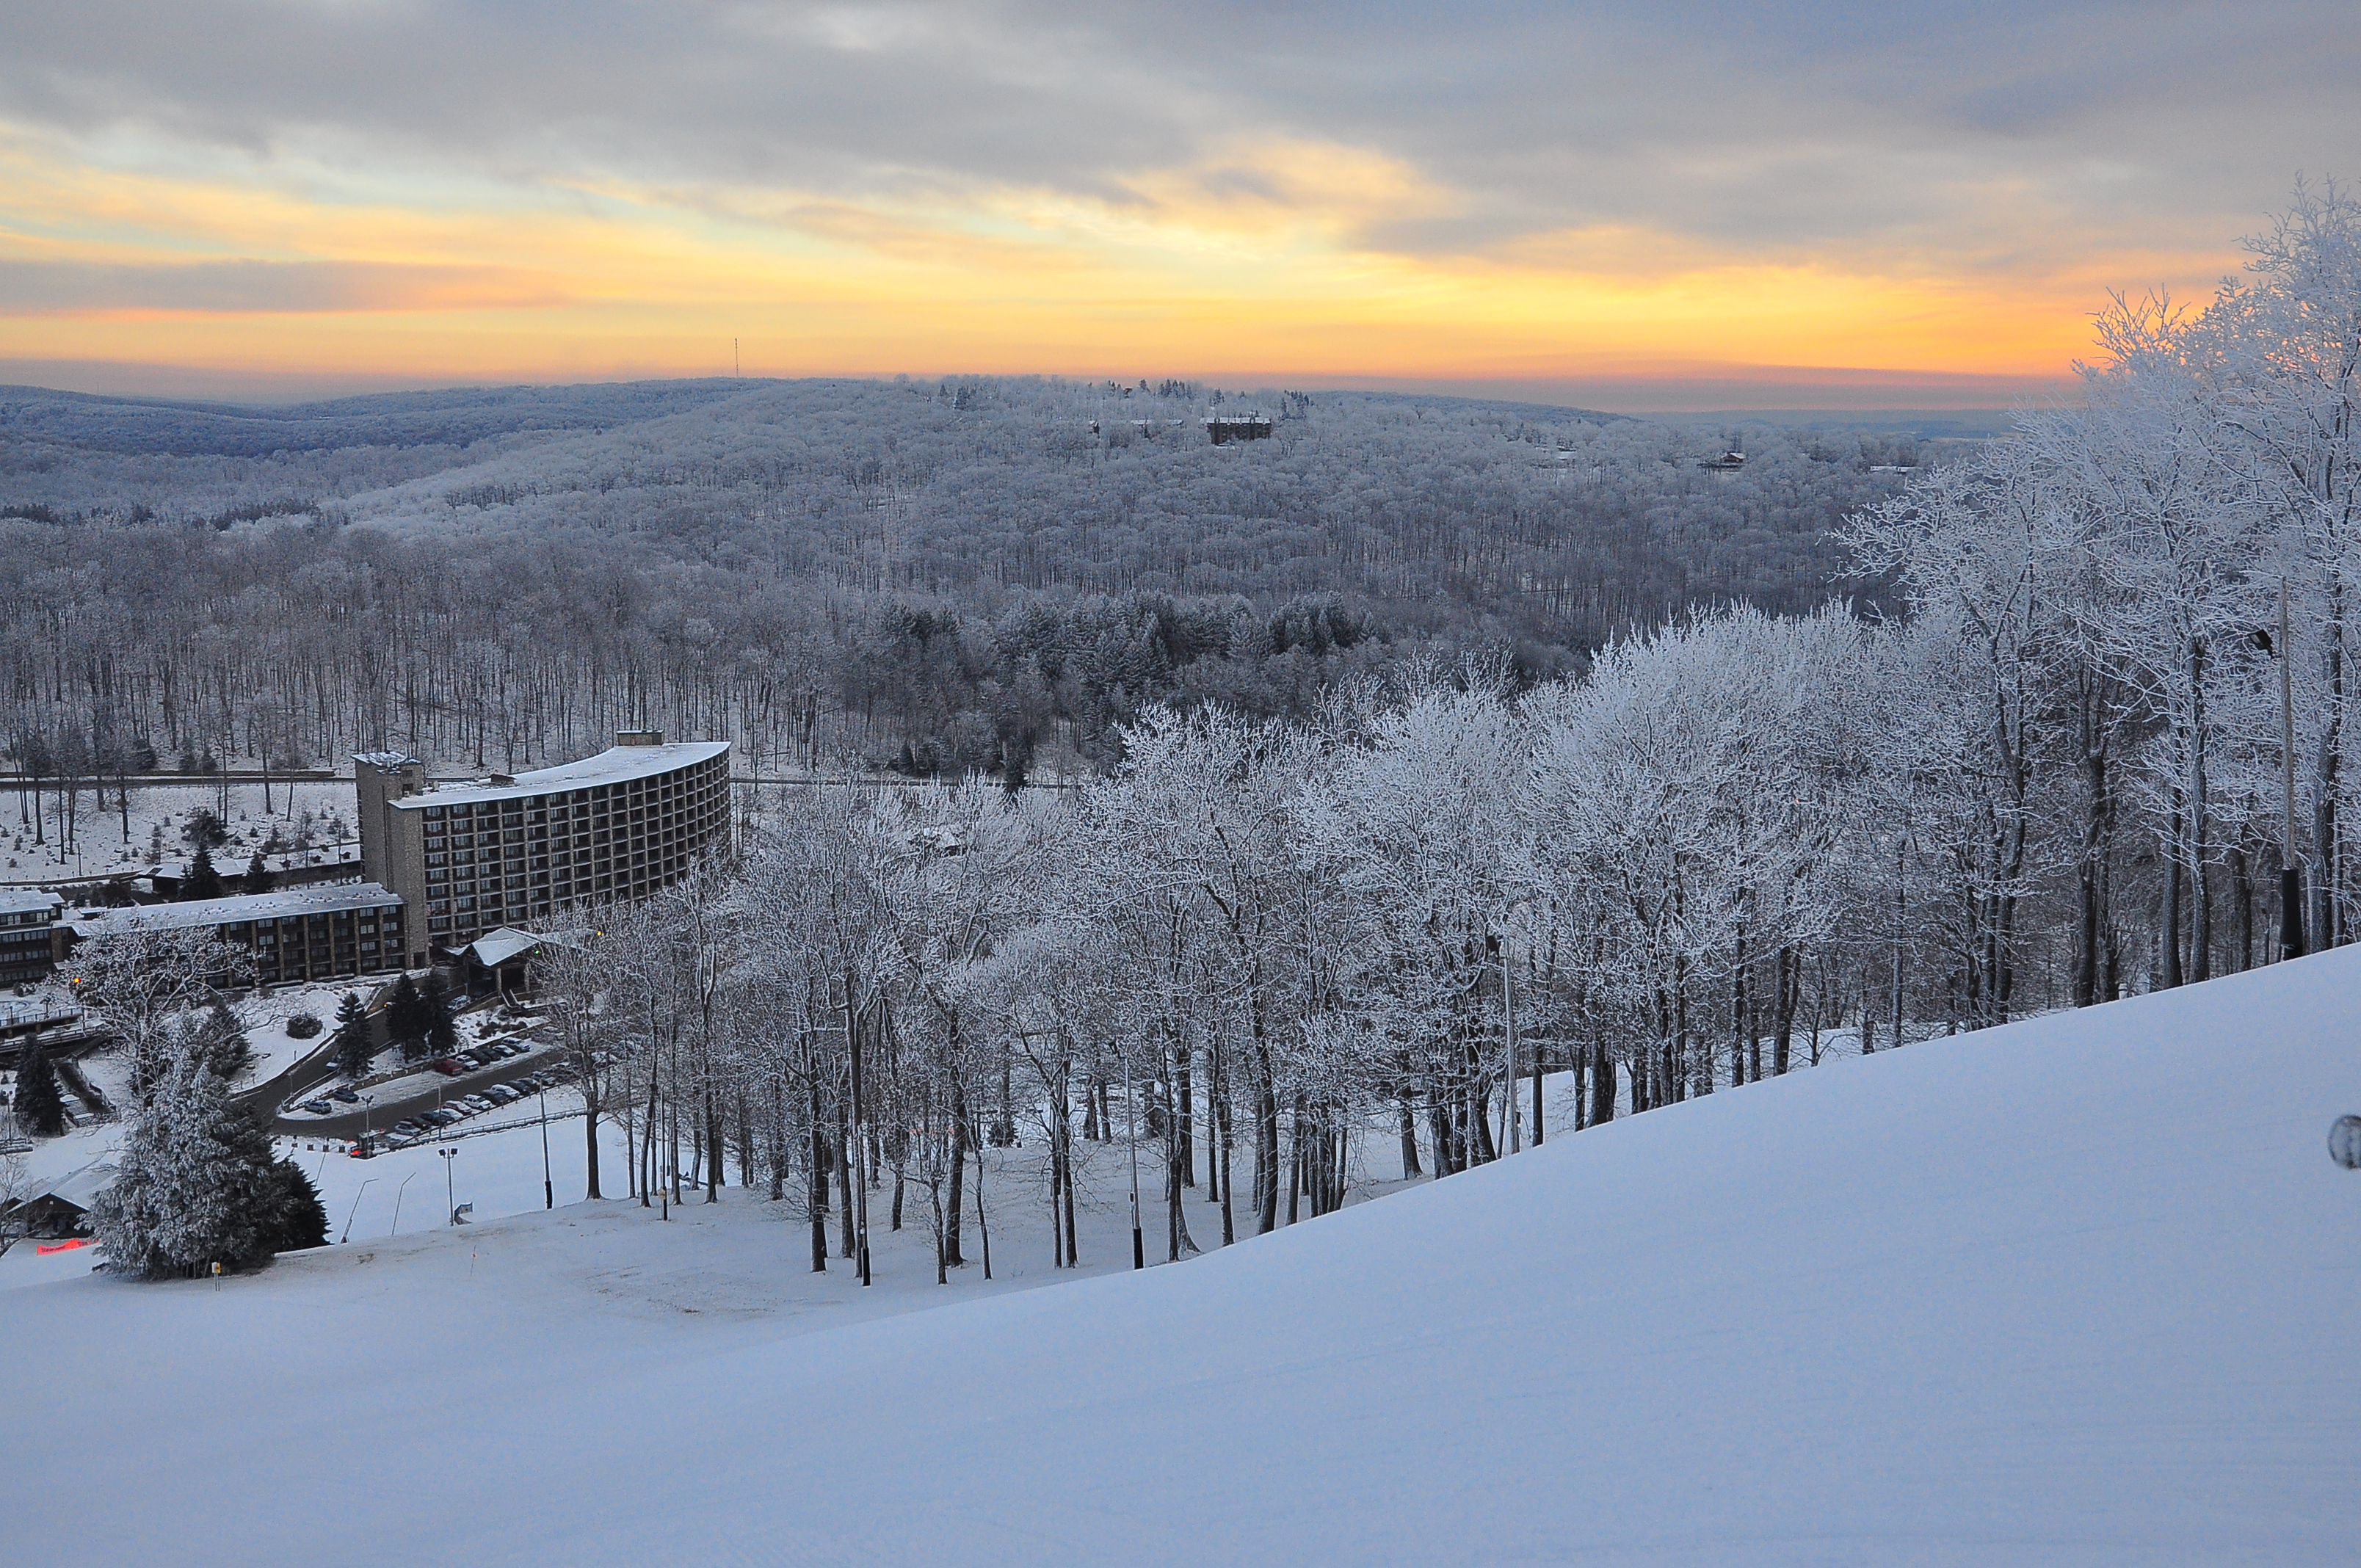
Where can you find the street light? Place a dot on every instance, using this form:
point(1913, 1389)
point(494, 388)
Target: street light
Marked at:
point(397, 1203)
point(548, 1188)
point(451, 1198)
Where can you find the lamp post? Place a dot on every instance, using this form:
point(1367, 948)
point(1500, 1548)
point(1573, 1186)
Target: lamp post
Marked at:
point(397, 1203)
point(548, 1188)
point(451, 1198)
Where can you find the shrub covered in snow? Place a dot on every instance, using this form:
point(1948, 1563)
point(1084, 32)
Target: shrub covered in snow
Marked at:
point(303, 1027)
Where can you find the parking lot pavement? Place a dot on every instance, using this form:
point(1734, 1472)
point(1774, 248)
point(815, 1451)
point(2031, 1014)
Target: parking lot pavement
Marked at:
point(378, 1117)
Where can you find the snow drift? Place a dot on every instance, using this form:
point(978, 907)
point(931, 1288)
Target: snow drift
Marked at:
point(2082, 1289)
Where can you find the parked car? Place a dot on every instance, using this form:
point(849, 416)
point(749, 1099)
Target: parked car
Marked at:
point(319, 1108)
point(345, 1094)
point(440, 1117)
point(503, 1094)
point(408, 1127)
point(448, 1067)
point(476, 1102)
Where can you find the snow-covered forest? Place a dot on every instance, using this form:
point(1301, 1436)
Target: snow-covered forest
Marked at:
point(941, 577)
point(2109, 703)
point(1736, 845)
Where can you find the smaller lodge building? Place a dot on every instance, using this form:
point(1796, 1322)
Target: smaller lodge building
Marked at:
point(302, 933)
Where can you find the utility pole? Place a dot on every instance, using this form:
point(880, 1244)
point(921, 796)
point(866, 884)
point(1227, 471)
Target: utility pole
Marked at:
point(450, 1197)
point(2290, 868)
point(1131, 1127)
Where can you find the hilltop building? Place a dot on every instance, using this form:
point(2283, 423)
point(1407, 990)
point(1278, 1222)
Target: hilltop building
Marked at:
point(469, 858)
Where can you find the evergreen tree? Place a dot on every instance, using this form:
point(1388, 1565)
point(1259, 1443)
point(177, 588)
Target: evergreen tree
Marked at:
point(40, 1109)
point(223, 1039)
point(175, 1203)
point(435, 1001)
point(257, 876)
point(290, 1214)
point(353, 1049)
point(406, 1017)
point(197, 1183)
point(203, 881)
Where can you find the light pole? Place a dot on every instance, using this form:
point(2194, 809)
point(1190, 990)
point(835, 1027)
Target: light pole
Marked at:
point(451, 1203)
point(548, 1189)
point(397, 1203)
point(353, 1210)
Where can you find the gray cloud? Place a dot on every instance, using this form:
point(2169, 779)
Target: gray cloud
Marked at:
point(65, 288)
point(1948, 129)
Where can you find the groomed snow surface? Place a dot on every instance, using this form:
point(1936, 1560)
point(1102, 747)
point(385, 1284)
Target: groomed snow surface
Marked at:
point(2082, 1290)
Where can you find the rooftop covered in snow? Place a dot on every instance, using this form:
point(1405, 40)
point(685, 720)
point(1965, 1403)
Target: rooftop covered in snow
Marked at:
point(616, 764)
point(340, 898)
point(28, 901)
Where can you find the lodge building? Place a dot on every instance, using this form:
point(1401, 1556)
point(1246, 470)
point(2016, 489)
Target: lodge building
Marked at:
point(302, 933)
point(468, 858)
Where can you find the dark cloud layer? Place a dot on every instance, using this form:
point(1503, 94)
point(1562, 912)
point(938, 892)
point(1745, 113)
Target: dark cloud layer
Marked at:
point(1934, 126)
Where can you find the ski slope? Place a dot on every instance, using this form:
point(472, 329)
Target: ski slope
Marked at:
point(2086, 1289)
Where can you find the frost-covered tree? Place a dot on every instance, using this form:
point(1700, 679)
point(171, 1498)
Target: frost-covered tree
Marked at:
point(196, 1182)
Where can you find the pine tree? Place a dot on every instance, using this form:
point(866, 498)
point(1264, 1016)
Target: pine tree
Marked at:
point(435, 1002)
point(203, 881)
point(353, 1047)
point(226, 1050)
point(197, 1183)
point(257, 876)
point(175, 1202)
point(406, 1019)
point(40, 1109)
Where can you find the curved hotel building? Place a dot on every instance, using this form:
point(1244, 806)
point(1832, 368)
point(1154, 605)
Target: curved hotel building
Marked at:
point(469, 858)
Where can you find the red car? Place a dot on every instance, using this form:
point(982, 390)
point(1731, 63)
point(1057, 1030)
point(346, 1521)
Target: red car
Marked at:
point(449, 1067)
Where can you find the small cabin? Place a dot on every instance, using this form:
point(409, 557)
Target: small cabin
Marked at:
point(1247, 426)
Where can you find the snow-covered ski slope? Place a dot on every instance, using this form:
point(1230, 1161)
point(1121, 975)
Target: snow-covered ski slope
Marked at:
point(2082, 1290)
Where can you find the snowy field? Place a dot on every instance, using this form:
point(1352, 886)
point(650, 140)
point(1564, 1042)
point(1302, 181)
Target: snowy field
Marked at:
point(158, 814)
point(2083, 1291)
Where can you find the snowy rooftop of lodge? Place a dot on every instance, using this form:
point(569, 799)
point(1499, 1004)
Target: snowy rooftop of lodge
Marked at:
point(616, 764)
point(28, 901)
point(335, 899)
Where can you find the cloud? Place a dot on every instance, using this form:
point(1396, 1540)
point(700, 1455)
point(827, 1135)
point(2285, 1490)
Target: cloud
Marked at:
point(45, 287)
point(1896, 127)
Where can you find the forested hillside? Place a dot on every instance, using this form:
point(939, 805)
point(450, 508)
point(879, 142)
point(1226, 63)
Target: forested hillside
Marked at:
point(940, 576)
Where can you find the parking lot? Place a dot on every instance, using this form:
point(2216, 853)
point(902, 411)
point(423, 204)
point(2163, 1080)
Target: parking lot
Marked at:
point(446, 1091)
